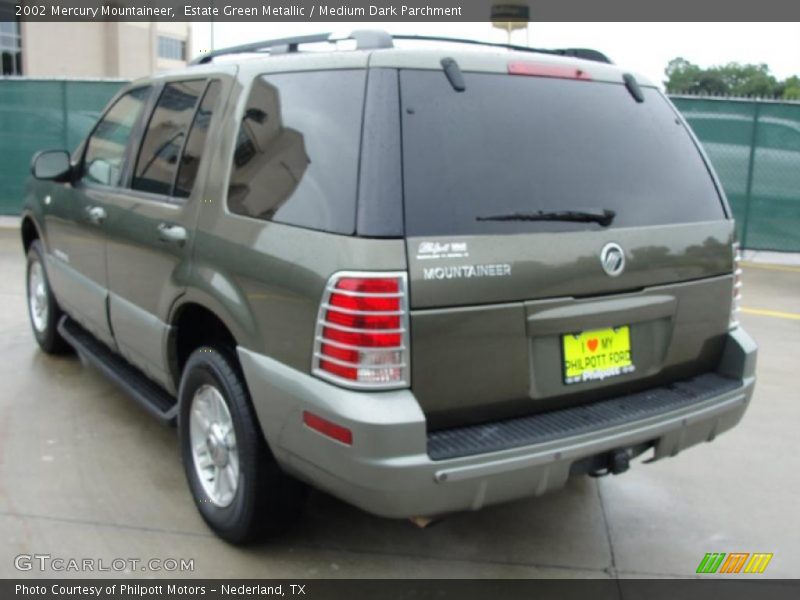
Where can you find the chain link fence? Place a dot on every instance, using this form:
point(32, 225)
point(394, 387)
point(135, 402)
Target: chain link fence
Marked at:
point(753, 144)
point(42, 115)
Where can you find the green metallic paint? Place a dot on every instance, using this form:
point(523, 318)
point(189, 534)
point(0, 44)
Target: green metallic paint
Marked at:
point(267, 290)
point(500, 356)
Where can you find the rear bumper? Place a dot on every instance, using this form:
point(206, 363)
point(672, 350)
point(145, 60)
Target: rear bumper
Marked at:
point(388, 470)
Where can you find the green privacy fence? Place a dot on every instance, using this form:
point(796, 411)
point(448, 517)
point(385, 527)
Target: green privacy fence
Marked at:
point(754, 146)
point(42, 114)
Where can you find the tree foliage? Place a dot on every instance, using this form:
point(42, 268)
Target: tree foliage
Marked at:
point(791, 88)
point(733, 79)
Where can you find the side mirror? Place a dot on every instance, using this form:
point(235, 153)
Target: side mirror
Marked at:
point(51, 165)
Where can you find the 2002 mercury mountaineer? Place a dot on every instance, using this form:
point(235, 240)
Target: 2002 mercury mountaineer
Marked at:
point(423, 280)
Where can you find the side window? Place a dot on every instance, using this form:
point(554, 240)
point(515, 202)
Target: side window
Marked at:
point(105, 149)
point(297, 150)
point(162, 143)
point(193, 151)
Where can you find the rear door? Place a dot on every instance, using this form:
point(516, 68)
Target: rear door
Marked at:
point(512, 315)
point(151, 221)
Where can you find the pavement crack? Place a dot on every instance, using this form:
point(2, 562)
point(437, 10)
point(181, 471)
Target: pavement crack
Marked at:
point(612, 568)
point(431, 557)
point(78, 521)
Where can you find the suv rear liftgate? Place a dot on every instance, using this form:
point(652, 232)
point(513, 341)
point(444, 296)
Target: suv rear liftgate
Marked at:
point(573, 250)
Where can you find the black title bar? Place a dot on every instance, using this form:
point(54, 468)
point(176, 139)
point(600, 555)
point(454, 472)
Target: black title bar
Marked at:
point(400, 10)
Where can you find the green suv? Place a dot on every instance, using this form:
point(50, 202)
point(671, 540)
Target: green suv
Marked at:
point(422, 280)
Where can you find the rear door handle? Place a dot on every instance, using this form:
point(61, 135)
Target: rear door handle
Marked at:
point(96, 214)
point(174, 234)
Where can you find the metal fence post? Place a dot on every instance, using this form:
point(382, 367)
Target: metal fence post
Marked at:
point(750, 168)
point(64, 116)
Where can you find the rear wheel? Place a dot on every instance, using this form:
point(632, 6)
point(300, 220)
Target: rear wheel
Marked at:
point(238, 487)
point(43, 310)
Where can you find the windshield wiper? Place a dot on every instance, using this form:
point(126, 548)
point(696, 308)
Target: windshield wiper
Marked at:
point(603, 217)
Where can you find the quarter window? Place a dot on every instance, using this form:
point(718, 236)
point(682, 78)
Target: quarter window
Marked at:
point(193, 151)
point(105, 149)
point(165, 136)
point(296, 155)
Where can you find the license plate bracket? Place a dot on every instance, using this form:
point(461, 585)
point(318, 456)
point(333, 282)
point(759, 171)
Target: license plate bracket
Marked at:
point(596, 354)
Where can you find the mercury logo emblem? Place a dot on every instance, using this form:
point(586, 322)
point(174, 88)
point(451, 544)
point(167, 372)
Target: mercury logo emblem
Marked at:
point(612, 257)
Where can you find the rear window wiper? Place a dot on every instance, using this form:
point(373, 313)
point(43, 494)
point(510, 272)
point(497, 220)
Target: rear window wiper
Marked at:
point(603, 217)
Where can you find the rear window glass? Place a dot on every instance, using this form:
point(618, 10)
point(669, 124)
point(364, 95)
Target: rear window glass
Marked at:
point(296, 154)
point(511, 144)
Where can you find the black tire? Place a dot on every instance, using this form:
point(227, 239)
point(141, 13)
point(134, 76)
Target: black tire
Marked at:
point(46, 332)
point(266, 500)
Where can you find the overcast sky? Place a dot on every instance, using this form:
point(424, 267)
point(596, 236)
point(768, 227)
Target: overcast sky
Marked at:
point(644, 48)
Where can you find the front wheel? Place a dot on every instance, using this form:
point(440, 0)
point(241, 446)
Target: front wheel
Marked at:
point(239, 489)
point(43, 310)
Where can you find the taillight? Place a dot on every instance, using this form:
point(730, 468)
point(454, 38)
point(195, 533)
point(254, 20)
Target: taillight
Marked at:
point(737, 286)
point(361, 338)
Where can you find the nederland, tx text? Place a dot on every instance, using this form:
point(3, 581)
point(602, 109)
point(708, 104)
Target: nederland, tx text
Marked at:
point(145, 590)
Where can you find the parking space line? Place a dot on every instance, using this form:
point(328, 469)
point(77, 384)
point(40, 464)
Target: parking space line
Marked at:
point(770, 267)
point(771, 313)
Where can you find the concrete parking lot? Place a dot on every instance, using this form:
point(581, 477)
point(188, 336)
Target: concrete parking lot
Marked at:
point(85, 473)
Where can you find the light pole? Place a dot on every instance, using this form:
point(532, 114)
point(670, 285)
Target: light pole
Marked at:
point(211, 42)
point(510, 15)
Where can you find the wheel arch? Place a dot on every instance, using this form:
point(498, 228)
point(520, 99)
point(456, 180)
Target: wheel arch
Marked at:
point(193, 324)
point(29, 231)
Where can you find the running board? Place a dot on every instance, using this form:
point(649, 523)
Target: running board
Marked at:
point(134, 382)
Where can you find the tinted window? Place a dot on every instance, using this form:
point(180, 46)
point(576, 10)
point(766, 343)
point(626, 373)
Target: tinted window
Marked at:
point(511, 144)
point(193, 151)
point(166, 132)
point(296, 155)
point(105, 150)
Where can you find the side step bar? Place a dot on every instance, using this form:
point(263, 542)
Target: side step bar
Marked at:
point(134, 382)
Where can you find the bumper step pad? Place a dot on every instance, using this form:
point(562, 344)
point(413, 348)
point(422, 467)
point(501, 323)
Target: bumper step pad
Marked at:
point(577, 420)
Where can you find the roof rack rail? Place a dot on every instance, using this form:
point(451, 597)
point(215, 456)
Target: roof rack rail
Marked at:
point(366, 39)
point(584, 53)
point(373, 39)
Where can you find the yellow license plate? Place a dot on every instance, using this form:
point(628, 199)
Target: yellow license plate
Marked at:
point(597, 355)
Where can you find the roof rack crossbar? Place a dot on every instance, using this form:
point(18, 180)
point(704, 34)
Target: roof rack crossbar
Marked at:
point(368, 39)
point(365, 39)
